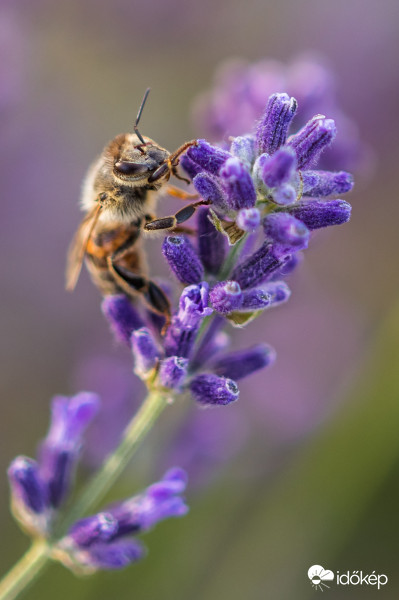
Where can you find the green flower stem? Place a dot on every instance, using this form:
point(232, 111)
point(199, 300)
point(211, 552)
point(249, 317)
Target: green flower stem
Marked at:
point(38, 556)
point(25, 570)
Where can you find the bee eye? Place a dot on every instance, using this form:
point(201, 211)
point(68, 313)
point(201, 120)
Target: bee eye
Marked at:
point(130, 168)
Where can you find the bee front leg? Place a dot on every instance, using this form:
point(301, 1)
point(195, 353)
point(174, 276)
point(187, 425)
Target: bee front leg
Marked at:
point(173, 221)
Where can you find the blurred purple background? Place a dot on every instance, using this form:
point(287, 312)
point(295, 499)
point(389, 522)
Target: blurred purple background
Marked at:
point(72, 75)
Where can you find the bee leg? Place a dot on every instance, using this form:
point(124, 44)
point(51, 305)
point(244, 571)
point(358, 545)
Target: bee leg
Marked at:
point(173, 221)
point(138, 285)
point(172, 190)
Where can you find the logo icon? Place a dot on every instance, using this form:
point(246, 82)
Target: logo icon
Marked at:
point(318, 575)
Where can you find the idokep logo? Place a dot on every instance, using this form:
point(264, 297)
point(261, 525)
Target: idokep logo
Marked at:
point(318, 575)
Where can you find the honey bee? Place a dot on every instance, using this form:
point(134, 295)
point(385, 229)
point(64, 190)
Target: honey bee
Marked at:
point(119, 196)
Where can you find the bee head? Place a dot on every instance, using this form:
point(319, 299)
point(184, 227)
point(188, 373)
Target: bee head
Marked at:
point(136, 162)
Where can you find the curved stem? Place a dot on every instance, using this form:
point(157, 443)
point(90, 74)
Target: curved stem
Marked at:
point(25, 570)
point(38, 556)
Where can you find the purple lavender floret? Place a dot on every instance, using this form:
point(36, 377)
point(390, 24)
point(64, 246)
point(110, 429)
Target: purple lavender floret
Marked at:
point(183, 259)
point(145, 351)
point(272, 129)
point(316, 214)
point(255, 299)
point(244, 362)
point(258, 267)
point(318, 184)
point(193, 308)
point(312, 139)
point(59, 452)
point(211, 243)
point(226, 297)
point(28, 490)
point(238, 184)
point(99, 541)
point(248, 219)
point(98, 528)
point(173, 371)
point(209, 158)
point(285, 229)
point(211, 390)
point(279, 168)
point(122, 317)
point(244, 148)
point(210, 189)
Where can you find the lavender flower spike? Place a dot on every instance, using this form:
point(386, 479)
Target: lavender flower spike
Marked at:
point(98, 541)
point(182, 259)
point(245, 362)
point(273, 126)
point(59, 451)
point(122, 316)
point(226, 297)
point(209, 389)
point(312, 139)
point(145, 352)
point(238, 184)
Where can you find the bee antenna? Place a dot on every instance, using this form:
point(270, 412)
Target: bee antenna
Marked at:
point(136, 131)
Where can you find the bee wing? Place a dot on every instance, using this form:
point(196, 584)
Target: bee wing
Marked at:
point(77, 249)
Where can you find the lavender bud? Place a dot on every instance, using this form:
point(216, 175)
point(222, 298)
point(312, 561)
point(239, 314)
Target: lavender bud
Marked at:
point(158, 502)
point(279, 168)
point(208, 348)
point(278, 292)
point(285, 229)
point(209, 188)
point(145, 351)
point(243, 148)
point(122, 317)
point(248, 219)
point(28, 491)
point(193, 307)
point(209, 389)
point(325, 183)
point(60, 450)
point(209, 157)
point(293, 261)
point(316, 213)
point(285, 195)
point(182, 259)
point(117, 555)
point(211, 243)
point(190, 167)
point(238, 184)
point(226, 297)
point(312, 139)
point(259, 267)
point(245, 362)
point(173, 371)
point(98, 528)
point(272, 128)
point(256, 299)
